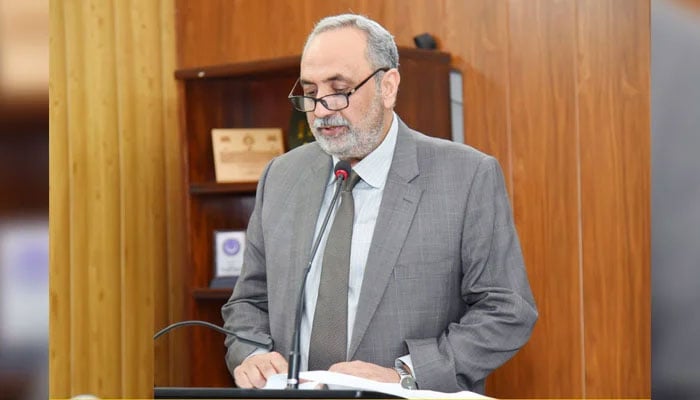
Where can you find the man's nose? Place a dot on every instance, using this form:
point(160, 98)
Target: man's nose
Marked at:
point(321, 111)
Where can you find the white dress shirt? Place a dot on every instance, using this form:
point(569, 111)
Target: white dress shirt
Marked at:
point(367, 195)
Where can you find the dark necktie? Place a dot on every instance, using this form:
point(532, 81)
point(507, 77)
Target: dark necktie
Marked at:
point(329, 333)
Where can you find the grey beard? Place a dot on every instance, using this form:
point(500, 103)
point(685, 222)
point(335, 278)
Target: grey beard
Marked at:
point(355, 143)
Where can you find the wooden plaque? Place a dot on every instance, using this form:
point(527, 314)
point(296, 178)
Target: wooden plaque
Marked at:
point(240, 155)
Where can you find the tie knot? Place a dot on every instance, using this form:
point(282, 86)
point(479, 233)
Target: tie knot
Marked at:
point(352, 180)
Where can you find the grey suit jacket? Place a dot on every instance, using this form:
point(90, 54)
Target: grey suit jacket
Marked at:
point(444, 279)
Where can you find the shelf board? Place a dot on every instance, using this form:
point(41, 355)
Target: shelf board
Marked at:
point(214, 187)
point(211, 294)
point(253, 68)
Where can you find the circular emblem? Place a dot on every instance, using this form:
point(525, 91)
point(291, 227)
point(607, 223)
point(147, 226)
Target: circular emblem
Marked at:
point(231, 247)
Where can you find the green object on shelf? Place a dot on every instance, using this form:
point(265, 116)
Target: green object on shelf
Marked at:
point(299, 131)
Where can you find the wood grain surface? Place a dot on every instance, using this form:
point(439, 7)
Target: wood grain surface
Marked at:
point(108, 103)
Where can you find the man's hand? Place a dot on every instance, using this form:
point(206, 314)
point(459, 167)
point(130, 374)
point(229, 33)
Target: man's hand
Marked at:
point(254, 370)
point(366, 370)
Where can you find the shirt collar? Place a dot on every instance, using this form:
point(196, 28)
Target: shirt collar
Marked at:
point(374, 168)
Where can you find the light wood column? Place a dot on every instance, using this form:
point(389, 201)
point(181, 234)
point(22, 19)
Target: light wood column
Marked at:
point(109, 101)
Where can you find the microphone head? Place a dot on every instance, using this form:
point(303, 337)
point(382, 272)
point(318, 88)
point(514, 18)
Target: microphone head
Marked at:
point(342, 170)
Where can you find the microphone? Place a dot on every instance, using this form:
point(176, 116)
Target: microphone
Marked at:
point(267, 344)
point(342, 171)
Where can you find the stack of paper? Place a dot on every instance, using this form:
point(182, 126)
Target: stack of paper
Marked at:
point(337, 381)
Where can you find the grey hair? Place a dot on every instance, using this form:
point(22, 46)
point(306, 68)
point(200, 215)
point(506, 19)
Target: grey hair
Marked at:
point(381, 48)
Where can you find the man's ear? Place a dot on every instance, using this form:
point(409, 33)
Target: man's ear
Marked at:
point(390, 87)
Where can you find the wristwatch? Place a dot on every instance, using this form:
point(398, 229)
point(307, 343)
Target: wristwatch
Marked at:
point(407, 380)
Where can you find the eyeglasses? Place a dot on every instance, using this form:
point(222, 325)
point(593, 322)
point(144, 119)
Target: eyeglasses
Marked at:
point(333, 102)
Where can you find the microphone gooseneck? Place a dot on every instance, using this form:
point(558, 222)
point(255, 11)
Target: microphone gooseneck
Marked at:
point(341, 172)
point(267, 344)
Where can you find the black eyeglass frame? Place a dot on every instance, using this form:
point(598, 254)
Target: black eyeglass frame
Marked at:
point(324, 102)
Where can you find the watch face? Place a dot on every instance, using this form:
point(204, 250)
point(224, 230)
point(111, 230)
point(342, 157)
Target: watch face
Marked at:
point(408, 382)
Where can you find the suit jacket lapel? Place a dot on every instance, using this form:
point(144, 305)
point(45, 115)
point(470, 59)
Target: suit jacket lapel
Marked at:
point(398, 206)
point(309, 190)
point(311, 187)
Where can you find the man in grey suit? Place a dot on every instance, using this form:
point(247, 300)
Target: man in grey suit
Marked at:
point(436, 287)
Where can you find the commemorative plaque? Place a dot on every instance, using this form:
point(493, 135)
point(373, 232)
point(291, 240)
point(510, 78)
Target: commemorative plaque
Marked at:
point(240, 155)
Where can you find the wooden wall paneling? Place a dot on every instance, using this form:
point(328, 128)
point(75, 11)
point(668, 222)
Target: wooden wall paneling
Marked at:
point(285, 40)
point(613, 71)
point(59, 203)
point(476, 34)
point(315, 10)
point(223, 31)
point(405, 20)
point(192, 43)
point(544, 135)
point(171, 367)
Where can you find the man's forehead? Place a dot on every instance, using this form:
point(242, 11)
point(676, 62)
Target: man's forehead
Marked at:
point(311, 79)
point(334, 55)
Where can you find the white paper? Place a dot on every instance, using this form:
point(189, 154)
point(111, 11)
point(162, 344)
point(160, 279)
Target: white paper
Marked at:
point(337, 381)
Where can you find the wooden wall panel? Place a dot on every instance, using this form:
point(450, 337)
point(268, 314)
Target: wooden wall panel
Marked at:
point(168, 288)
point(211, 33)
point(479, 50)
point(107, 185)
point(543, 129)
point(613, 70)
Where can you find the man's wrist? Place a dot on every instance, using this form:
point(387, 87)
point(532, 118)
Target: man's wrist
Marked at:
point(406, 378)
point(256, 352)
